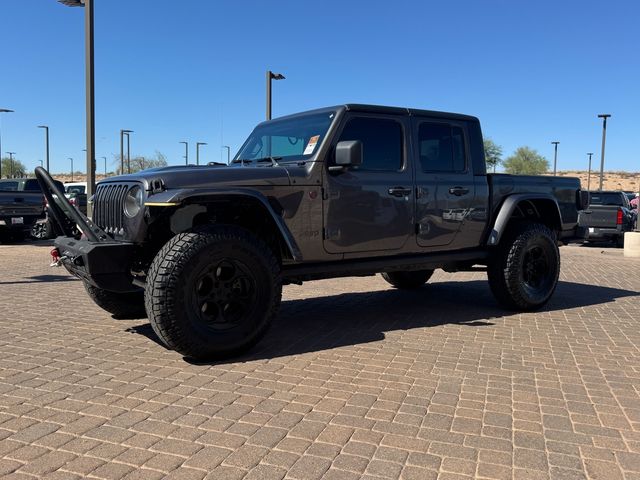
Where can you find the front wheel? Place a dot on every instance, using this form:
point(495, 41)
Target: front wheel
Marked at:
point(523, 271)
point(212, 293)
point(121, 305)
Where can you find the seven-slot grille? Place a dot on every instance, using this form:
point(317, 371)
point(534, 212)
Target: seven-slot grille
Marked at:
point(108, 207)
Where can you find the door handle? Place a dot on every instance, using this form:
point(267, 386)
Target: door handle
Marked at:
point(399, 191)
point(458, 191)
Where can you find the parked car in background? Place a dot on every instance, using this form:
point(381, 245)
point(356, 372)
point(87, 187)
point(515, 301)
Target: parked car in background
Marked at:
point(76, 192)
point(608, 217)
point(22, 204)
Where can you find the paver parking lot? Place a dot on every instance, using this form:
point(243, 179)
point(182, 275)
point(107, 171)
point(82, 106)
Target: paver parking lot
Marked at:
point(354, 380)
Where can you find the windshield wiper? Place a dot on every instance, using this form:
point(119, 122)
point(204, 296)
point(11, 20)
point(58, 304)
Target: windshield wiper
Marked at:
point(273, 160)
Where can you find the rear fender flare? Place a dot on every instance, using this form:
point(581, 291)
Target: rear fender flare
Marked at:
point(509, 206)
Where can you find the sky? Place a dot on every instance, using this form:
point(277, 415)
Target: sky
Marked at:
point(194, 70)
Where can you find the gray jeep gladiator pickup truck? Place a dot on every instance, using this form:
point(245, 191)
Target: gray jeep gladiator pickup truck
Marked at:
point(351, 190)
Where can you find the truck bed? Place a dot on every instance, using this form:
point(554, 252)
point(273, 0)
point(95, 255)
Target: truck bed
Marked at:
point(562, 188)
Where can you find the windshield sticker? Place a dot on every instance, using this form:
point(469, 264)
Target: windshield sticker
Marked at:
point(311, 146)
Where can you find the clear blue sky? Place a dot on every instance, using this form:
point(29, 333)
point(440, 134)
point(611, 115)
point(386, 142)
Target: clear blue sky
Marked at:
point(178, 70)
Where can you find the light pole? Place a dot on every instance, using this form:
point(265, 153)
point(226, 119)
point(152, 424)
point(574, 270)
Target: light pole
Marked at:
point(589, 174)
point(127, 133)
point(228, 153)
point(198, 151)
point(122, 132)
point(604, 117)
point(90, 94)
point(555, 157)
point(46, 137)
point(105, 166)
point(2, 110)
point(11, 154)
point(69, 158)
point(271, 76)
point(186, 153)
point(41, 163)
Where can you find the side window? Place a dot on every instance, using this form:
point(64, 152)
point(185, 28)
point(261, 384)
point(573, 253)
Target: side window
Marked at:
point(381, 142)
point(441, 148)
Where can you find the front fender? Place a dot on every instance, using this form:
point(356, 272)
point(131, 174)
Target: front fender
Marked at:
point(174, 198)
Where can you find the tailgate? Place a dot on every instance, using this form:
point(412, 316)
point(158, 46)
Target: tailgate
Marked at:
point(21, 203)
point(597, 216)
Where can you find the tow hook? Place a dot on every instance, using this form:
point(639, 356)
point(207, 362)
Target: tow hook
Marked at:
point(56, 259)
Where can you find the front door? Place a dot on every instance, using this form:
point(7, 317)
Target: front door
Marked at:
point(445, 187)
point(369, 208)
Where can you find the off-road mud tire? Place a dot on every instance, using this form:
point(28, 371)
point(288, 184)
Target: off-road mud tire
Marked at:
point(120, 305)
point(408, 280)
point(175, 283)
point(509, 279)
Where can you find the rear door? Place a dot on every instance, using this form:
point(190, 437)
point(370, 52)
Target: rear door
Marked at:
point(370, 208)
point(445, 186)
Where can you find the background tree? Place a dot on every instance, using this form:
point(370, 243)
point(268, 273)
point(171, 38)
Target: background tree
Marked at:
point(526, 161)
point(492, 154)
point(141, 162)
point(19, 170)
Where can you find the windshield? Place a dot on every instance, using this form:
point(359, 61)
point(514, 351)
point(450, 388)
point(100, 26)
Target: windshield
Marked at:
point(76, 189)
point(289, 140)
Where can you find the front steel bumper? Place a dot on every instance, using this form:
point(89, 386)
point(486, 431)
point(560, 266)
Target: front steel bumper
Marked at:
point(105, 265)
point(93, 256)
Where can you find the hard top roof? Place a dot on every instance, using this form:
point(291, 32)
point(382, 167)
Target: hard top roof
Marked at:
point(363, 108)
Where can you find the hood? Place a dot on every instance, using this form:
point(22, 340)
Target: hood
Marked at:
point(207, 176)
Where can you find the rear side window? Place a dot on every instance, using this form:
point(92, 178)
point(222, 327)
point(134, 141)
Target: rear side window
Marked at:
point(31, 185)
point(381, 142)
point(441, 148)
point(605, 198)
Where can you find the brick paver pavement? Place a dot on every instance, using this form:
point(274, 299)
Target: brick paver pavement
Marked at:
point(355, 380)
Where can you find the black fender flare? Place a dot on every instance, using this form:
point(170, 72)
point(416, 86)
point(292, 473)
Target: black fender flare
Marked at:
point(174, 198)
point(508, 207)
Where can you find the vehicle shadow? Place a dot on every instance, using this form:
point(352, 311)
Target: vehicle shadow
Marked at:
point(322, 323)
point(43, 279)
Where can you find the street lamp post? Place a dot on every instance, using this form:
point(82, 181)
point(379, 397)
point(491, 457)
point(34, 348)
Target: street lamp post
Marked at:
point(228, 153)
point(11, 154)
point(122, 133)
point(186, 153)
point(127, 133)
point(2, 110)
point(271, 76)
point(589, 174)
point(105, 166)
point(555, 157)
point(604, 117)
point(46, 137)
point(90, 94)
point(72, 170)
point(198, 151)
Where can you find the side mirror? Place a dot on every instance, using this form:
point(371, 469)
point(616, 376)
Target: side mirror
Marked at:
point(348, 154)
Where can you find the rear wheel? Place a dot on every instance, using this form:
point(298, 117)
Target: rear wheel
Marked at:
point(523, 271)
point(408, 280)
point(619, 241)
point(212, 293)
point(42, 230)
point(120, 305)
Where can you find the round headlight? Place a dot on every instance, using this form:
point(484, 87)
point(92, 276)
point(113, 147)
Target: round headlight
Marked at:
point(133, 202)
